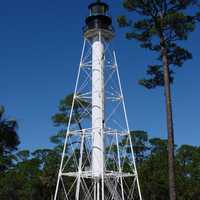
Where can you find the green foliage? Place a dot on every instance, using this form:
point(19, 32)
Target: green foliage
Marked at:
point(34, 175)
point(23, 155)
point(157, 77)
point(9, 140)
point(162, 25)
point(62, 117)
point(152, 163)
point(188, 162)
point(140, 144)
point(154, 171)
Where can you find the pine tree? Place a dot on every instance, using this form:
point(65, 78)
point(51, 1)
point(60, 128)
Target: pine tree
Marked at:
point(9, 140)
point(161, 27)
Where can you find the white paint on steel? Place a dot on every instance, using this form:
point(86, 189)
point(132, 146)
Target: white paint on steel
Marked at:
point(127, 126)
point(82, 135)
point(69, 123)
point(97, 106)
point(100, 179)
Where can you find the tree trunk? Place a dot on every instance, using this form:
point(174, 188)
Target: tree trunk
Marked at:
point(170, 128)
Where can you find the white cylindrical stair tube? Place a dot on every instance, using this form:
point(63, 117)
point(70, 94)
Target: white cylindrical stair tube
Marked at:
point(97, 106)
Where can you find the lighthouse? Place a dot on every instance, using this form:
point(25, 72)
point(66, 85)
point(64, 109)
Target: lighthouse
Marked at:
point(98, 29)
point(97, 161)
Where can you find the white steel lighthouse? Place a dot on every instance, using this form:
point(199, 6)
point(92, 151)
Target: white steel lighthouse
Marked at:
point(98, 156)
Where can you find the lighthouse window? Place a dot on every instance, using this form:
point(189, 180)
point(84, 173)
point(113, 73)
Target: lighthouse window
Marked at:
point(96, 10)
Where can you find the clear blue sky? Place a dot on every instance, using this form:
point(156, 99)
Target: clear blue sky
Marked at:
point(40, 45)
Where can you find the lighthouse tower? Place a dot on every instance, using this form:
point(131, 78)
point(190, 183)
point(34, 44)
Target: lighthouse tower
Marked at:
point(98, 156)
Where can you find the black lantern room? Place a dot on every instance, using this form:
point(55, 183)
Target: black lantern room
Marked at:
point(98, 21)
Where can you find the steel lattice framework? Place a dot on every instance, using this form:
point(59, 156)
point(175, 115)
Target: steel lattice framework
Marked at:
point(77, 179)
